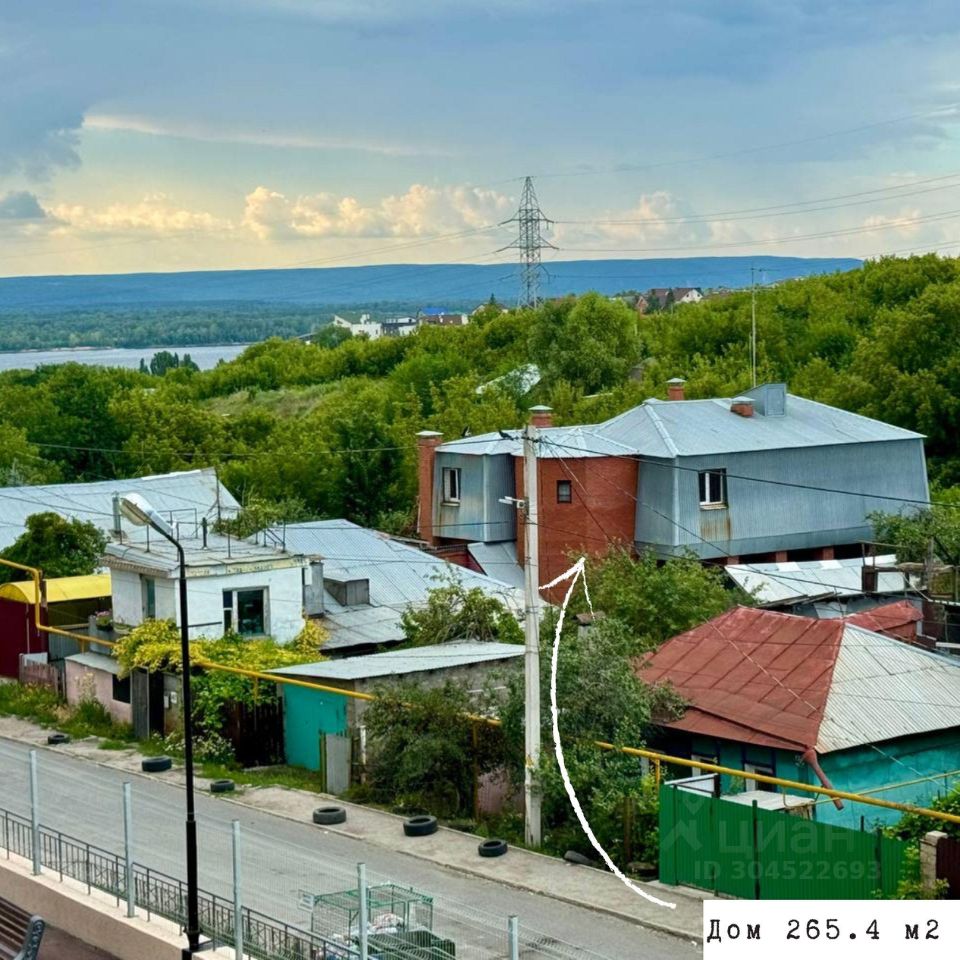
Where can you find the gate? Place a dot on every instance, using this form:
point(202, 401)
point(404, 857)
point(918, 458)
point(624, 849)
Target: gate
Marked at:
point(256, 732)
point(146, 703)
point(948, 865)
point(42, 674)
point(336, 754)
point(755, 854)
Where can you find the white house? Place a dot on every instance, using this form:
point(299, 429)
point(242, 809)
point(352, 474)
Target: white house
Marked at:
point(251, 589)
point(365, 325)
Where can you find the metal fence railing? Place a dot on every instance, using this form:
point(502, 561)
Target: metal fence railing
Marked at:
point(164, 896)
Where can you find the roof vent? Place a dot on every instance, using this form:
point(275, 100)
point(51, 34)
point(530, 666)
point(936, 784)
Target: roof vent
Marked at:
point(348, 592)
point(742, 406)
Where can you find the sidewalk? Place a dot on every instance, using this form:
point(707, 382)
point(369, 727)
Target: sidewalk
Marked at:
point(536, 873)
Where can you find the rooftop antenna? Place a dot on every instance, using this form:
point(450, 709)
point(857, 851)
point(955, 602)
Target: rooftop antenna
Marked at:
point(530, 241)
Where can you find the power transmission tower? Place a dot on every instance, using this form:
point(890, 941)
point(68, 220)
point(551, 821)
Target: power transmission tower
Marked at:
point(530, 241)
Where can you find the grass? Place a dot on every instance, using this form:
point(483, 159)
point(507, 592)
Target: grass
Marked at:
point(285, 403)
point(297, 778)
point(42, 705)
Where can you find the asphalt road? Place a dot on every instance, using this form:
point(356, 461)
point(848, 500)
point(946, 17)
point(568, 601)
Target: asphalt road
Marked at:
point(280, 858)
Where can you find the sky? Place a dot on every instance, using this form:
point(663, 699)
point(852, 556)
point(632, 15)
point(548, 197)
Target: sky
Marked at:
point(158, 135)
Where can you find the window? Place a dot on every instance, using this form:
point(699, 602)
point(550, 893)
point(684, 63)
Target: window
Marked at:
point(564, 491)
point(713, 488)
point(244, 611)
point(451, 484)
point(763, 769)
point(149, 598)
point(121, 689)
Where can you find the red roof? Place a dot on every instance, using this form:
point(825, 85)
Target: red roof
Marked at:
point(751, 675)
point(898, 619)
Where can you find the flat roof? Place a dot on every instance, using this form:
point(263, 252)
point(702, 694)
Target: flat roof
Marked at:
point(96, 661)
point(442, 656)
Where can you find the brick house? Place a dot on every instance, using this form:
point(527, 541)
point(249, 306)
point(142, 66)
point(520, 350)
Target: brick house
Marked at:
point(763, 477)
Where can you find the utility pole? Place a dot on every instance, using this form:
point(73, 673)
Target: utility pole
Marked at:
point(530, 241)
point(531, 628)
point(753, 327)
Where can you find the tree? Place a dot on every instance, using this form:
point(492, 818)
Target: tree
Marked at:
point(592, 344)
point(20, 460)
point(656, 600)
point(423, 757)
point(58, 547)
point(599, 698)
point(454, 612)
point(330, 336)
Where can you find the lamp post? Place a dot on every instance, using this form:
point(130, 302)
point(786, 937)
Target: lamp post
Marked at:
point(138, 510)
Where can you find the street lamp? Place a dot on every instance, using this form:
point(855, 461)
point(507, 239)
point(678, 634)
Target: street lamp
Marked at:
point(137, 510)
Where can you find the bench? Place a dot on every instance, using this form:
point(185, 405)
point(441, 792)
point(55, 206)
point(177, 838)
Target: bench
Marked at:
point(20, 933)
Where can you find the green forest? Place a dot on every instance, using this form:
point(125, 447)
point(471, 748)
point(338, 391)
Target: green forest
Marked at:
point(300, 430)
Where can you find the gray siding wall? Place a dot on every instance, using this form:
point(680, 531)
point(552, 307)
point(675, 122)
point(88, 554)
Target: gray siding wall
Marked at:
point(761, 517)
point(479, 516)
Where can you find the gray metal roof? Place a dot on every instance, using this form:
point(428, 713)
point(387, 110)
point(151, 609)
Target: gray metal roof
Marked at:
point(883, 688)
point(774, 584)
point(400, 576)
point(689, 428)
point(186, 497)
point(96, 661)
point(499, 560)
point(443, 656)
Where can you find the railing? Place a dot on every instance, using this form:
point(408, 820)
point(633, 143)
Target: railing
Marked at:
point(165, 896)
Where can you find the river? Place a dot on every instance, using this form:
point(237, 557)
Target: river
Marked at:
point(204, 356)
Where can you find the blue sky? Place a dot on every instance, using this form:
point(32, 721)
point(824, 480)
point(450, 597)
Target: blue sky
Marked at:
point(195, 134)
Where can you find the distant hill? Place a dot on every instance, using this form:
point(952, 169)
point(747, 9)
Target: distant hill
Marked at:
point(451, 285)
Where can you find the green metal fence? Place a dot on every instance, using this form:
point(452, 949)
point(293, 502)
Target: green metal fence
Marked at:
point(732, 848)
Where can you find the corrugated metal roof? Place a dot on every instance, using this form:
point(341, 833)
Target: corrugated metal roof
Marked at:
point(883, 689)
point(400, 576)
point(692, 428)
point(186, 497)
point(499, 560)
point(785, 681)
point(60, 589)
point(442, 656)
point(898, 619)
point(96, 661)
point(773, 584)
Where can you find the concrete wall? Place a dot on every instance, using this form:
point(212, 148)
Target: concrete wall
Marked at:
point(94, 919)
point(763, 517)
point(82, 680)
point(284, 606)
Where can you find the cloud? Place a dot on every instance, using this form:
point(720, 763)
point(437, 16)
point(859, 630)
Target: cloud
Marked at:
point(421, 211)
point(154, 214)
point(205, 133)
point(21, 205)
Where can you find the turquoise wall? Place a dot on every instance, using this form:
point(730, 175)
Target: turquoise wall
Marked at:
point(865, 769)
point(307, 716)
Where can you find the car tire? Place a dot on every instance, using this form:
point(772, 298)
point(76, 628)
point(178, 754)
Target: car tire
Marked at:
point(572, 856)
point(421, 826)
point(327, 816)
point(156, 764)
point(57, 738)
point(221, 786)
point(492, 848)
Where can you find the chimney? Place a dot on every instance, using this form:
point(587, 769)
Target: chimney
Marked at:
point(675, 388)
point(742, 406)
point(117, 526)
point(541, 416)
point(427, 443)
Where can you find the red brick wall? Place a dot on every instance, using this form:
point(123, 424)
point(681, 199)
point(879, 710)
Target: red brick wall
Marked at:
point(426, 463)
point(605, 485)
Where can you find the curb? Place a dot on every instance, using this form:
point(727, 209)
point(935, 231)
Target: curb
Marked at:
point(663, 928)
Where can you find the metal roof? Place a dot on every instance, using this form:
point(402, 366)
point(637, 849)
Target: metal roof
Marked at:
point(499, 560)
point(442, 656)
point(900, 618)
point(774, 584)
point(184, 497)
point(96, 661)
point(784, 681)
point(692, 428)
point(399, 575)
point(60, 589)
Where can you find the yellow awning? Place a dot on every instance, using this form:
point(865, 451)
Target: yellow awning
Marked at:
point(60, 589)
